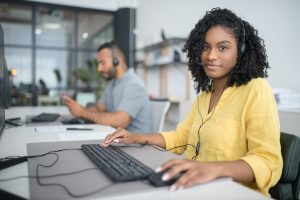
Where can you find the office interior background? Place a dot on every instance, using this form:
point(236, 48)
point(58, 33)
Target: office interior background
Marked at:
point(50, 45)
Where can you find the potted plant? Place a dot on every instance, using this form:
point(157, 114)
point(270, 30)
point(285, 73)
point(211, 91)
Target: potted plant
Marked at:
point(93, 80)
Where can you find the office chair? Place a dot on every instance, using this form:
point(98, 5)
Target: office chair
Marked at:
point(288, 186)
point(159, 110)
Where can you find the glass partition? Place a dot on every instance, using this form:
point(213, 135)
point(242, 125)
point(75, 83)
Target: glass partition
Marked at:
point(94, 29)
point(55, 27)
point(16, 21)
point(50, 45)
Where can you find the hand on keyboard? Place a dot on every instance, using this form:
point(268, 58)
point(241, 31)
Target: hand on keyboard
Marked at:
point(119, 136)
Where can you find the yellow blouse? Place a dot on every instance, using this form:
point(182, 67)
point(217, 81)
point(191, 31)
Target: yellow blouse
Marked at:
point(243, 125)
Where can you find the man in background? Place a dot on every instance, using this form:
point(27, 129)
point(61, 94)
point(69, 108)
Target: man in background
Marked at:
point(124, 103)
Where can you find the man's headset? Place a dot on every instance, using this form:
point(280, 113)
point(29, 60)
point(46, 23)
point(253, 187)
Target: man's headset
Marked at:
point(115, 60)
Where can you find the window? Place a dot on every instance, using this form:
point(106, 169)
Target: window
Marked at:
point(42, 40)
point(16, 21)
point(55, 27)
point(94, 29)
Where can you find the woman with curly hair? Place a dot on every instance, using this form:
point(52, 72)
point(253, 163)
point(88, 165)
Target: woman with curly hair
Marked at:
point(232, 129)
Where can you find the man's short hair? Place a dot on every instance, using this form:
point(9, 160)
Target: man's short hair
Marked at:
point(110, 45)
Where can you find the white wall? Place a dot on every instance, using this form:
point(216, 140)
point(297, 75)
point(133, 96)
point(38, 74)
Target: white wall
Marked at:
point(277, 22)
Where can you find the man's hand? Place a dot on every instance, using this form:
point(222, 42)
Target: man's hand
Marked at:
point(75, 108)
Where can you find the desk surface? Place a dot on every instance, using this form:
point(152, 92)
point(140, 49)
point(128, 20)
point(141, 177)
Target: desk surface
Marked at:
point(14, 142)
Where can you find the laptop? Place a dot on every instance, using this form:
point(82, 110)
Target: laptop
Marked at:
point(45, 117)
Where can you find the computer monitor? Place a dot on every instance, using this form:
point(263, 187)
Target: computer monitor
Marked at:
point(7, 88)
point(2, 82)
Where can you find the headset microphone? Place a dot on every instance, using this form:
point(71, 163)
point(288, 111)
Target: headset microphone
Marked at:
point(197, 148)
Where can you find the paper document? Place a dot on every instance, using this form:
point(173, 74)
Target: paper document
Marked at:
point(54, 129)
point(77, 132)
point(82, 136)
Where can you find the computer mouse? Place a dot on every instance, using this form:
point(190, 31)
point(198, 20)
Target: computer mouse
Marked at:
point(155, 179)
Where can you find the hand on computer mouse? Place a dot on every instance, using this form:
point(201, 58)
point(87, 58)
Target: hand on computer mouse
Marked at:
point(192, 172)
point(158, 179)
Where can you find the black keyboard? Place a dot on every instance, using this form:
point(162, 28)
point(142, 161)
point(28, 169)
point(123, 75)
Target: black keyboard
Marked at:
point(45, 117)
point(116, 164)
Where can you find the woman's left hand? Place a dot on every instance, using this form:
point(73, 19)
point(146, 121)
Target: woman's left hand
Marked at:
point(196, 172)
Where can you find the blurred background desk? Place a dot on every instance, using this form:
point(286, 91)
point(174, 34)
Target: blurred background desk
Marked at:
point(48, 100)
point(23, 111)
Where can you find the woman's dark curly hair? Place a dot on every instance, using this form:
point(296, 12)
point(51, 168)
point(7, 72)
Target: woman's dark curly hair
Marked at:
point(251, 63)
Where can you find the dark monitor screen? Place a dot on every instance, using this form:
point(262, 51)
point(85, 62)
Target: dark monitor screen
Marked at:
point(2, 82)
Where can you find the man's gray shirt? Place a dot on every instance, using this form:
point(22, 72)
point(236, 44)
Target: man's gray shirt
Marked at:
point(128, 94)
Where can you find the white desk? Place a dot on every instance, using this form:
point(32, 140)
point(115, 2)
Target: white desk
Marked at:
point(14, 140)
point(218, 189)
point(23, 111)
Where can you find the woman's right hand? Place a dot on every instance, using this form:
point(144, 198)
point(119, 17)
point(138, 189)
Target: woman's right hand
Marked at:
point(119, 136)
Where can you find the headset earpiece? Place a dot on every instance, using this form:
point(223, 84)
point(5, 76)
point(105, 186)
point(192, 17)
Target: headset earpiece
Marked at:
point(243, 48)
point(243, 45)
point(115, 62)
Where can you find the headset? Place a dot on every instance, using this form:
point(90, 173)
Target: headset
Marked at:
point(197, 148)
point(243, 45)
point(115, 60)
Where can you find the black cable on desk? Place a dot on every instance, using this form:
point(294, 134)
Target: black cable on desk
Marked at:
point(48, 176)
point(10, 161)
point(38, 177)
